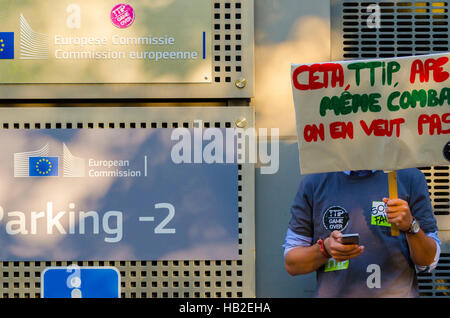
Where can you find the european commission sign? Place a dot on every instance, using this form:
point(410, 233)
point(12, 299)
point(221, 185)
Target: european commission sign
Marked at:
point(82, 41)
point(116, 194)
point(43, 166)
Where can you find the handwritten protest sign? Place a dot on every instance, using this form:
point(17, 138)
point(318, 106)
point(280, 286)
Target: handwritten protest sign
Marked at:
point(384, 114)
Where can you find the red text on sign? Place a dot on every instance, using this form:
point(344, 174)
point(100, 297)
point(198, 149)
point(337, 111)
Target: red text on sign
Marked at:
point(423, 69)
point(318, 76)
point(382, 127)
point(313, 132)
point(341, 130)
point(434, 123)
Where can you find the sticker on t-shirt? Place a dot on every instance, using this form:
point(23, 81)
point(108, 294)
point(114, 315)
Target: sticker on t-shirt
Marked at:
point(378, 215)
point(335, 218)
point(332, 265)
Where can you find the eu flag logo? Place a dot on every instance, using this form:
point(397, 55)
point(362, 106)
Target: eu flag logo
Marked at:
point(6, 45)
point(43, 166)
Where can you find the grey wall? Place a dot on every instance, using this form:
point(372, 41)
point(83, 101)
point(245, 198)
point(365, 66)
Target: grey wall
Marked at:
point(274, 196)
point(286, 31)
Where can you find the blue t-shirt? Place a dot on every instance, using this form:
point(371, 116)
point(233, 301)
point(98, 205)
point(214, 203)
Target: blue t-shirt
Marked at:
point(353, 204)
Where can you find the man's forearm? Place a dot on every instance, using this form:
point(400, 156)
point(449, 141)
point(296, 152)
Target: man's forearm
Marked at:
point(304, 260)
point(422, 248)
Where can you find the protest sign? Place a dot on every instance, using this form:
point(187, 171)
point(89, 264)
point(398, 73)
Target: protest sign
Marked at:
point(383, 114)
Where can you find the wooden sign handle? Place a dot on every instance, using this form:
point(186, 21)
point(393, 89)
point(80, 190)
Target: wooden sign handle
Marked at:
point(393, 194)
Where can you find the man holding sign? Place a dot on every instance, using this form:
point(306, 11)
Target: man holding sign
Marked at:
point(330, 204)
point(350, 130)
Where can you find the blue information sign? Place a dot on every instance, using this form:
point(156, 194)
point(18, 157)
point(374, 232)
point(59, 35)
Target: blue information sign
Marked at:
point(80, 282)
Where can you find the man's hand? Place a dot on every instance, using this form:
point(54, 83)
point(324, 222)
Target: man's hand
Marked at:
point(341, 252)
point(398, 213)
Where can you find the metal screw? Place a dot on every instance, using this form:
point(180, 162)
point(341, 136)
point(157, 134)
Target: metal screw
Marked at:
point(241, 122)
point(241, 83)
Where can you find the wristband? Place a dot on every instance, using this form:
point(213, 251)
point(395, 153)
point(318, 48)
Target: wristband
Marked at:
point(323, 249)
